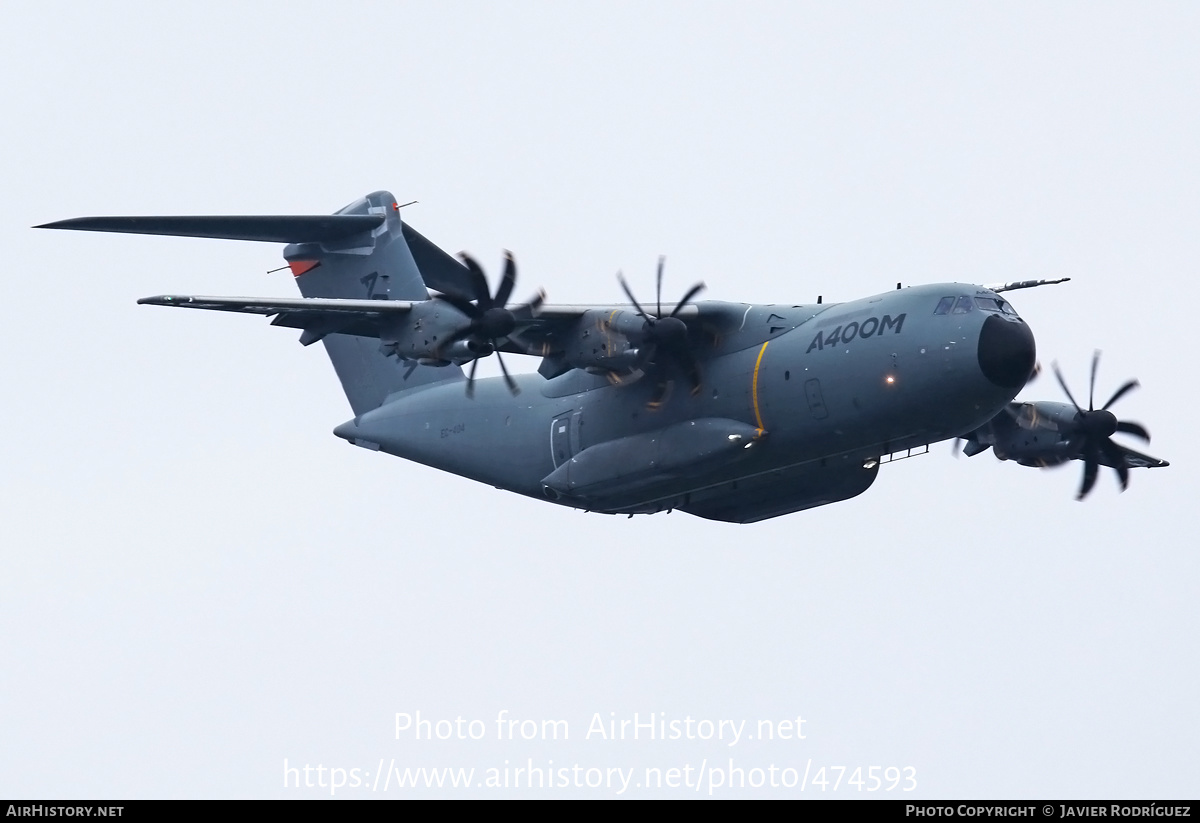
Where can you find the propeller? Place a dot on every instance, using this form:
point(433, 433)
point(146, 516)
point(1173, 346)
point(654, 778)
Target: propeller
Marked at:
point(1095, 430)
point(667, 335)
point(491, 321)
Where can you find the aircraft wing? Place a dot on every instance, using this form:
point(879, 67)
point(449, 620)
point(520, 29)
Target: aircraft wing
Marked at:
point(301, 312)
point(1133, 459)
point(552, 313)
point(540, 334)
point(317, 317)
point(543, 333)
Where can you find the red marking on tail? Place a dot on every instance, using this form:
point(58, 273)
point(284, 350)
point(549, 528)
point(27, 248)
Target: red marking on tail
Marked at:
point(299, 267)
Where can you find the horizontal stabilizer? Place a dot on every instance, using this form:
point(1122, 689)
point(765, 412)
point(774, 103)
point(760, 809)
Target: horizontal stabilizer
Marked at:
point(319, 228)
point(278, 305)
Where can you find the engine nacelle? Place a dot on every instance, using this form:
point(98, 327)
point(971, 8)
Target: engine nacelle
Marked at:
point(420, 334)
point(605, 342)
point(1032, 434)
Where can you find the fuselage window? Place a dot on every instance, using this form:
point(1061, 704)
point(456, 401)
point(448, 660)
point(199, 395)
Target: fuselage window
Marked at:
point(987, 303)
point(944, 305)
point(963, 305)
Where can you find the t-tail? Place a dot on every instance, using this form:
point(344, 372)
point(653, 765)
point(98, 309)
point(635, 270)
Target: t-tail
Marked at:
point(361, 252)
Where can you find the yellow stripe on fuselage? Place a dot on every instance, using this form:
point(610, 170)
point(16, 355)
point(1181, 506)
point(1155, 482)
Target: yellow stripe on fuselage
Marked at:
point(754, 386)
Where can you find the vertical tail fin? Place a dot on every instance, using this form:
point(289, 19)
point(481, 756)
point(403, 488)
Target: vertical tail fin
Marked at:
point(375, 264)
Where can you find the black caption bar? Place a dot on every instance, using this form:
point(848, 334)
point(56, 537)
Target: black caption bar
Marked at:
point(1041, 810)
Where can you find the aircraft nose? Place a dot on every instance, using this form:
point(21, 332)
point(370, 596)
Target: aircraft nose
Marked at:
point(1006, 352)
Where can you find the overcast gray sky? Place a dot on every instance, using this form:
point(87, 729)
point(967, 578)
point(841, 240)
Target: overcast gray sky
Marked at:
point(200, 582)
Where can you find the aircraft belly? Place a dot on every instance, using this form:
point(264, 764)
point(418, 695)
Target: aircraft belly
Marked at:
point(639, 467)
point(783, 491)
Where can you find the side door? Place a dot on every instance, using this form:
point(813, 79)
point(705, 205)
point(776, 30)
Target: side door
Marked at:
point(564, 437)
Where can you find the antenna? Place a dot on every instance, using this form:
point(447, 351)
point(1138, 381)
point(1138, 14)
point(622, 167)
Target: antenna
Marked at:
point(1026, 284)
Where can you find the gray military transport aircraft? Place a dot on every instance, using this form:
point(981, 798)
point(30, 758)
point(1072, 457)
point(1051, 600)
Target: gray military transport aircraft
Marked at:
point(727, 411)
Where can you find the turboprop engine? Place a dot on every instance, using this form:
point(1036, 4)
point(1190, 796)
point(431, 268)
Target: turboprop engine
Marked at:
point(1045, 433)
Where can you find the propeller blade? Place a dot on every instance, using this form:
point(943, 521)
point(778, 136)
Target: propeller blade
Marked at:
point(1121, 392)
point(462, 304)
point(1092, 388)
point(632, 299)
point(479, 282)
point(513, 388)
point(661, 393)
point(507, 280)
point(535, 305)
point(1123, 473)
point(1136, 429)
point(1091, 466)
point(692, 292)
point(471, 378)
point(530, 310)
point(1063, 383)
point(1113, 452)
point(658, 290)
point(533, 349)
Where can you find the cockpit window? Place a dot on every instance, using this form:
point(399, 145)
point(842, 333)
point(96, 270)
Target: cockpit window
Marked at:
point(995, 304)
point(965, 304)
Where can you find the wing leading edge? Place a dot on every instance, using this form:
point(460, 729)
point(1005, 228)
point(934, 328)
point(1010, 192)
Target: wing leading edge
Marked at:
point(303, 312)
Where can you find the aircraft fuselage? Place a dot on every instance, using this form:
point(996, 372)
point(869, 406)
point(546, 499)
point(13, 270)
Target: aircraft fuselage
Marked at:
point(823, 390)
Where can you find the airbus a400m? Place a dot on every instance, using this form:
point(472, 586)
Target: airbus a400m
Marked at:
point(727, 411)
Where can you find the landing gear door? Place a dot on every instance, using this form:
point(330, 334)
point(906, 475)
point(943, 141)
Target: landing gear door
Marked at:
point(564, 437)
